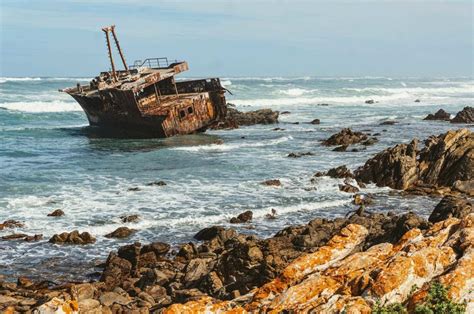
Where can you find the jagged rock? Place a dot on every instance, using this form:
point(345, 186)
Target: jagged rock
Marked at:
point(56, 213)
point(159, 248)
point(417, 100)
point(120, 232)
point(130, 218)
point(439, 115)
point(235, 118)
point(345, 137)
point(451, 206)
point(74, 237)
point(273, 182)
point(340, 172)
point(315, 121)
point(348, 188)
point(464, 116)
point(11, 224)
point(243, 217)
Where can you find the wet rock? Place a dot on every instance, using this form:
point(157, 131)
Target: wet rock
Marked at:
point(73, 237)
point(235, 118)
point(388, 122)
point(395, 167)
point(341, 148)
point(348, 188)
point(439, 115)
point(187, 251)
point(345, 137)
point(451, 206)
point(130, 218)
point(22, 236)
point(11, 224)
point(298, 155)
point(278, 129)
point(120, 233)
point(340, 172)
point(324, 105)
point(215, 232)
point(370, 101)
point(134, 189)
point(315, 121)
point(417, 100)
point(370, 141)
point(156, 183)
point(273, 182)
point(464, 116)
point(285, 112)
point(243, 217)
point(56, 213)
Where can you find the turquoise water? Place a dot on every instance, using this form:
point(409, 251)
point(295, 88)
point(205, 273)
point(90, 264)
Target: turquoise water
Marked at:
point(50, 159)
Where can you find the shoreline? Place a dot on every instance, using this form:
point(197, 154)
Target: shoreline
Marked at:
point(129, 272)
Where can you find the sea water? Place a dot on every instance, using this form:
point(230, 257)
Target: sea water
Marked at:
point(50, 159)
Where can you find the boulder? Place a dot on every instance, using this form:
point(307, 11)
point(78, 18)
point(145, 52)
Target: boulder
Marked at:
point(298, 155)
point(464, 116)
point(243, 217)
point(345, 137)
point(348, 188)
point(235, 118)
point(73, 237)
point(130, 218)
point(157, 183)
point(452, 206)
point(56, 213)
point(120, 232)
point(272, 182)
point(340, 172)
point(369, 101)
point(341, 148)
point(439, 115)
point(159, 248)
point(11, 224)
point(315, 121)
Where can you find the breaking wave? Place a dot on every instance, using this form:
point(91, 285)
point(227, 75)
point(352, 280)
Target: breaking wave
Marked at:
point(231, 146)
point(41, 106)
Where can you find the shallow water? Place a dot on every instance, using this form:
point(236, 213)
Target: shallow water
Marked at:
point(50, 159)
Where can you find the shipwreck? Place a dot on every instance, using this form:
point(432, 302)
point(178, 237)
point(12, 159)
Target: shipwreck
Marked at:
point(144, 99)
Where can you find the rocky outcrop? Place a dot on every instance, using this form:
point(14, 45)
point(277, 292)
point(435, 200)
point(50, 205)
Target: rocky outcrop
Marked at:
point(345, 137)
point(272, 182)
point(73, 237)
point(446, 160)
point(338, 172)
point(235, 118)
point(242, 218)
point(121, 232)
point(452, 206)
point(464, 116)
point(11, 224)
point(439, 115)
point(56, 213)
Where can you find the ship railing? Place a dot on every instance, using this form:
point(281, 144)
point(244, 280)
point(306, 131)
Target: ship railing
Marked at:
point(152, 63)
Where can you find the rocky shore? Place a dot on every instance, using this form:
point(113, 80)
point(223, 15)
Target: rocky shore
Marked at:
point(352, 264)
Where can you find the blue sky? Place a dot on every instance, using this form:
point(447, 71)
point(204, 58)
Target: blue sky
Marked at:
point(242, 38)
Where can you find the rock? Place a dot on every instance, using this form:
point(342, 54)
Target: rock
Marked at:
point(341, 148)
point(451, 206)
point(370, 141)
point(298, 155)
point(83, 291)
point(109, 298)
point(417, 100)
point(130, 218)
point(196, 269)
point(159, 248)
point(324, 105)
point(466, 187)
point(117, 270)
point(121, 232)
point(388, 122)
point(315, 121)
point(11, 224)
point(464, 116)
point(235, 118)
point(395, 167)
point(215, 232)
point(345, 137)
point(439, 115)
point(340, 172)
point(56, 305)
point(370, 101)
point(285, 112)
point(243, 217)
point(134, 189)
point(156, 183)
point(362, 199)
point(348, 188)
point(22, 236)
point(89, 306)
point(56, 213)
point(273, 182)
point(278, 129)
point(73, 237)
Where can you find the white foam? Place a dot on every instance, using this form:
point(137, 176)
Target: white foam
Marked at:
point(226, 83)
point(296, 91)
point(232, 146)
point(18, 79)
point(42, 106)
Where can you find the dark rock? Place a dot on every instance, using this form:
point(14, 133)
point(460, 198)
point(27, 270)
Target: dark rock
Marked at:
point(345, 137)
point(56, 213)
point(417, 100)
point(273, 182)
point(370, 141)
point(157, 183)
point(324, 105)
point(464, 116)
point(215, 232)
point(285, 112)
point(11, 224)
point(341, 148)
point(159, 248)
point(388, 122)
point(243, 217)
point(278, 129)
point(298, 155)
point(362, 199)
point(74, 237)
point(116, 270)
point(439, 115)
point(315, 121)
point(235, 118)
point(340, 172)
point(134, 189)
point(121, 232)
point(451, 206)
point(348, 188)
point(370, 101)
point(130, 218)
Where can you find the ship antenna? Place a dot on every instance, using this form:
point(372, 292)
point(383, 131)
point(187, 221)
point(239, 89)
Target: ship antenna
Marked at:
point(106, 31)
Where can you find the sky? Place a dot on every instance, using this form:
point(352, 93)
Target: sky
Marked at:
point(242, 38)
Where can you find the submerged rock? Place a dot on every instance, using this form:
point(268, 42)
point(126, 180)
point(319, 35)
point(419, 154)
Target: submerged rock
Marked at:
point(298, 155)
point(157, 183)
point(464, 116)
point(439, 115)
point(345, 137)
point(315, 121)
point(388, 122)
point(73, 237)
point(56, 213)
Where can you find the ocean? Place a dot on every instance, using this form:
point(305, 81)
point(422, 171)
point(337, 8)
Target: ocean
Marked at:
point(50, 159)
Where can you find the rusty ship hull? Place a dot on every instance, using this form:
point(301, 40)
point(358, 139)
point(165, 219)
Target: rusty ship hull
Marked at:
point(145, 99)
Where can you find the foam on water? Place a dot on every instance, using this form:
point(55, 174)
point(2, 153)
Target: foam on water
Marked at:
point(42, 106)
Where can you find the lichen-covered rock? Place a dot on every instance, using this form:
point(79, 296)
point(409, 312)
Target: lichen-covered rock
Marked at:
point(345, 137)
point(73, 237)
point(464, 116)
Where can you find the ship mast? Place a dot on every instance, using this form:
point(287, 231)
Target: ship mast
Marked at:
point(107, 30)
